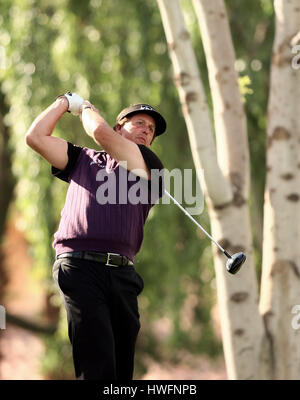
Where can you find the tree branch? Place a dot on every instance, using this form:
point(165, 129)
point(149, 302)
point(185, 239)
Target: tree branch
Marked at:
point(30, 325)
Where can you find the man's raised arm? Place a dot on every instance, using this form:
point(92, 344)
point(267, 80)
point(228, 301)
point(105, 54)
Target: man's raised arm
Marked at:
point(38, 136)
point(117, 146)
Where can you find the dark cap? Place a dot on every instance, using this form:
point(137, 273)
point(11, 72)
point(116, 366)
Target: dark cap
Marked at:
point(160, 123)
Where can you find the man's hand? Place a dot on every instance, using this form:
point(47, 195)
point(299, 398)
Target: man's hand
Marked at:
point(75, 102)
point(88, 105)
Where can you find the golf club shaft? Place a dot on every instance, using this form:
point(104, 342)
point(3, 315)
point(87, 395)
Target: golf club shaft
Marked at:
point(199, 226)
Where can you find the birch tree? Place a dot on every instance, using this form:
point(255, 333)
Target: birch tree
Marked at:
point(248, 331)
point(280, 286)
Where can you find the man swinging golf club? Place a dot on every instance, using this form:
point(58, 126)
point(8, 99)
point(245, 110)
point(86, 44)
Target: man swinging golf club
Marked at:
point(96, 243)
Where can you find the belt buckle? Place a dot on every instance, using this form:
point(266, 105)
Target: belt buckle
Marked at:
point(108, 259)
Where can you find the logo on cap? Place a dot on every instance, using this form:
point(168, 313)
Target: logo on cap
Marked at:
point(145, 107)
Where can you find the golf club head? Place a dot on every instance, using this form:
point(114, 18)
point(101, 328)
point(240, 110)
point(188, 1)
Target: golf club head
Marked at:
point(234, 263)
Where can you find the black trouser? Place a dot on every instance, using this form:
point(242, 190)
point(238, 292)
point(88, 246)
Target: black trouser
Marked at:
point(103, 317)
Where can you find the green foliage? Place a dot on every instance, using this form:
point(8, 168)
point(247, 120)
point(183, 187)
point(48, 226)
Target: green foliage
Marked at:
point(114, 53)
point(244, 83)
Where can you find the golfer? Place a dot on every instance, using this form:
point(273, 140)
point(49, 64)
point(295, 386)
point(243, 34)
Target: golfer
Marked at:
point(96, 241)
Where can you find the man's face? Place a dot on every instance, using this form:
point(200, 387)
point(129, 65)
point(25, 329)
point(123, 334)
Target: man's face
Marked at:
point(140, 129)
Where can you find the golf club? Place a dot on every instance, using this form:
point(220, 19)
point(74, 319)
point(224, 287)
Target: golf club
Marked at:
point(235, 261)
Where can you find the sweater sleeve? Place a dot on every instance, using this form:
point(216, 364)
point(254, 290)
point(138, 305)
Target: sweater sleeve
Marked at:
point(73, 154)
point(156, 168)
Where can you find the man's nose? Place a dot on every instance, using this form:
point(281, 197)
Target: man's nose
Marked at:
point(147, 129)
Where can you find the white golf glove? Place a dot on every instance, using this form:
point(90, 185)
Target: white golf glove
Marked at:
point(75, 101)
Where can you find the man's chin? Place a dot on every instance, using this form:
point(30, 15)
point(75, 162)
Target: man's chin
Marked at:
point(141, 141)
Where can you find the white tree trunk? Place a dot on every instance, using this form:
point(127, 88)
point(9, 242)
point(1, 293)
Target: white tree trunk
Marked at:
point(242, 328)
point(244, 353)
point(194, 105)
point(280, 287)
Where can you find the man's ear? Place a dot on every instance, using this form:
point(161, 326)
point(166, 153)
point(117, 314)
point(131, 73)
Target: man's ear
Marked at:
point(117, 127)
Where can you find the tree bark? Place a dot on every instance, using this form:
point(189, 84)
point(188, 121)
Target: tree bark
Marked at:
point(6, 177)
point(193, 101)
point(280, 287)
point(242, 354)
point(6, 190)
point(32, 325)
point(226, 176)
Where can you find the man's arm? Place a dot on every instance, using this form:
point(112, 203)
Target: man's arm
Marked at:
point(39, 138)
point(118, 147)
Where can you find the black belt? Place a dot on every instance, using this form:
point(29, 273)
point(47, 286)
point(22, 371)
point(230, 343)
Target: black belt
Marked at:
point(110, 259)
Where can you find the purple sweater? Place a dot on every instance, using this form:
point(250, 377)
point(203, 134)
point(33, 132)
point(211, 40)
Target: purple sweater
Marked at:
point(87, 225)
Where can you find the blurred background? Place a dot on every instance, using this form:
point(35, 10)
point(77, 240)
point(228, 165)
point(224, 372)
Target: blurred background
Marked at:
point(113, 53)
